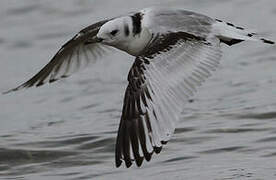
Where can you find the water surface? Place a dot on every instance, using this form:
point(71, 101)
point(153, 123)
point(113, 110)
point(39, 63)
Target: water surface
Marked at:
point(67, 130)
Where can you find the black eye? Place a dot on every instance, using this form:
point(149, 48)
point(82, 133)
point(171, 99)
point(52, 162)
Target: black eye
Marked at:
point(114, 32)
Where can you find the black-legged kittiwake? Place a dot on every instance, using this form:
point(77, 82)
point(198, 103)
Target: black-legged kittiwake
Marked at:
point(175, 51)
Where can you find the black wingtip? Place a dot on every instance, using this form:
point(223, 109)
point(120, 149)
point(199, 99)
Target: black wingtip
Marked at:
point(231, 42)
point(11, 90)
point(139, 161)
point(52, 80)
point(128, 163)
point(157, 150)
point(148, 156)
point(7, 92)
point(39, 84)
point(267, 41)
point(118, 163)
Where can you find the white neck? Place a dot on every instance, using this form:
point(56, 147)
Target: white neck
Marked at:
point(136, 44)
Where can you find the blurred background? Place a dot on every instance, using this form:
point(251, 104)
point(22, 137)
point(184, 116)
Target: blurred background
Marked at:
point(67, 130)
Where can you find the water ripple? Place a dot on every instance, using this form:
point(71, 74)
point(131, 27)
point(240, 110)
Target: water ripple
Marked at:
point(270, 155)
point(184, 130)
point(260, 116)
point(21, 44)
point(193, 140)
point(23, 10)
point(22, 156)
point(180, 159)
point(268, 139)
point(237, 130)
point(101, 145)
point(59, 143)
point(222, 150)
point(90, 106)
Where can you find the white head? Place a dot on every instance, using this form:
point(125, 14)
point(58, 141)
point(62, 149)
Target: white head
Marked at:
point(115, 32)
point(125, 33)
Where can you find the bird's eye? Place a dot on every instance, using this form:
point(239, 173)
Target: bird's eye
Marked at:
point(114, 32)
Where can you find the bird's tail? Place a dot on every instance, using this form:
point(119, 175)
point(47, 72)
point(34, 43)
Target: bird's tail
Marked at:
point(230, 34)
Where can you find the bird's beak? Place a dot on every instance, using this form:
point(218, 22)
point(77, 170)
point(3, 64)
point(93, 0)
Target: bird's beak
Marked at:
point(97, 39)
point(94, 40)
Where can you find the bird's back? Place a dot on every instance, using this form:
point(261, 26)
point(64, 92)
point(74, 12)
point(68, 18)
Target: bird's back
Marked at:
point(177, 20)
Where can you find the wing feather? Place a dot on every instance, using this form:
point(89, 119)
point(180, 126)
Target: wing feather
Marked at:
point(160, 83)
point(73, 55)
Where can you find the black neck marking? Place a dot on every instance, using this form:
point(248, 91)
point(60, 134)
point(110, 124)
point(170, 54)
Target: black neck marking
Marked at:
point(136, 22)
point(126, 29)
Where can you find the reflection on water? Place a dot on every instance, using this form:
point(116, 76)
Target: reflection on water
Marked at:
point(67, 130)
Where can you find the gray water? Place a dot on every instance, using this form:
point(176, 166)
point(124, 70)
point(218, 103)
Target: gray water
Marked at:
point(67, 130)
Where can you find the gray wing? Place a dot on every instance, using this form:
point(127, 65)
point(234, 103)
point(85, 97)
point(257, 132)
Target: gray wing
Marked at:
point(73, 55)
point(162, 20)
point(160, 83)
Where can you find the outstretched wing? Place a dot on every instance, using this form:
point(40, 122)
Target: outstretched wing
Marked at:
point(160, 83)
point(76, 53)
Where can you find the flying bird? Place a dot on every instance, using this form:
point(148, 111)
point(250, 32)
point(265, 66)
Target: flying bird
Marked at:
point(175, 51)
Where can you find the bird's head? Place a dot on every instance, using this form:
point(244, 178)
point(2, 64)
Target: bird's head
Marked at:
point(114, 32)
point(122, 34)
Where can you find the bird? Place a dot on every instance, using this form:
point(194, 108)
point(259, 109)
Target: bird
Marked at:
point(174, 52)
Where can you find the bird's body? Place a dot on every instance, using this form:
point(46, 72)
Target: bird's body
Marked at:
point(175, 51)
